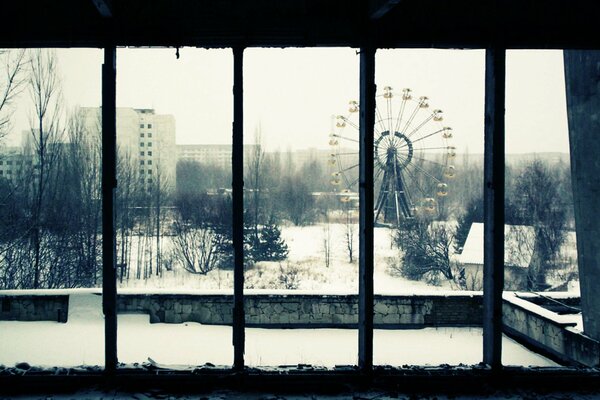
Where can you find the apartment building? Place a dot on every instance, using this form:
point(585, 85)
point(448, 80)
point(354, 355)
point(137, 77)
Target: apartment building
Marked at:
point(145, 141)
point(211, 154)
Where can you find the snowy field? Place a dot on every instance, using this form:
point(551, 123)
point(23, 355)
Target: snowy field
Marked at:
point(306, 256)
point(80, 342)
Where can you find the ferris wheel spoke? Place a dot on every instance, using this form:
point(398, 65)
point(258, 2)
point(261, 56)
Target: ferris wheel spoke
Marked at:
point(425, 172)
point(427, 136)
point(377, 174)
point(349, 168)
point(422, 124)
point(380, 119)
point(345, 138)
point(351, 123)
point(415, 180)
point(429, 161)
point(435, 148)
point(352, 182)
point(406, 191)
point(400, 113)
point(411, 118)
point(389, 114)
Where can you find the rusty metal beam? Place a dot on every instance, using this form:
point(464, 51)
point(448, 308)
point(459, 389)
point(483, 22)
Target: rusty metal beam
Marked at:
point(493, 191)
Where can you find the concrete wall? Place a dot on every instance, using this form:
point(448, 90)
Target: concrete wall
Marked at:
point(308, 310)
point(34, 308)
point(285, 310)
point(548, 333)
point(582, 78)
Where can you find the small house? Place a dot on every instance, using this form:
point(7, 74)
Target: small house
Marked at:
point(518, 251)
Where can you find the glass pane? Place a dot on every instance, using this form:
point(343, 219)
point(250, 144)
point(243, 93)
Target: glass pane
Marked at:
point(428, 191)
point(540, 261)
point(50, 241)
point(429, 200)
point(174, 253)
point(301, 220)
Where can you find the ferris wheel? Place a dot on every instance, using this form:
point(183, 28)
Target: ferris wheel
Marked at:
point(413, 156)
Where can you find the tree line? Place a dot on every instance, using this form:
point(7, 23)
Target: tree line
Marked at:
point(538, 195)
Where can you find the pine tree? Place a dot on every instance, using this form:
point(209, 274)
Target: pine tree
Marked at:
point(270, 246)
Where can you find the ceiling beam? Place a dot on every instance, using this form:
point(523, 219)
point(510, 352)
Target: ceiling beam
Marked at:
point(381, 7)
point(104, 7)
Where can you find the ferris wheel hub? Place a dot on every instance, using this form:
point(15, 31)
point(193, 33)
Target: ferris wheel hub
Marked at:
point(395, 148)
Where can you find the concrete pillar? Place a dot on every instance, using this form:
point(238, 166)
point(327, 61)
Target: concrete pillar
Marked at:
point(582, 77)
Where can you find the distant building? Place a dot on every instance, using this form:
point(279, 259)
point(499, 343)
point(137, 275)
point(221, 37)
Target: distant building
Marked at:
point(211, 154)
point(146, 139)
point(13, 163)
point(519, 245)
point(518, 253)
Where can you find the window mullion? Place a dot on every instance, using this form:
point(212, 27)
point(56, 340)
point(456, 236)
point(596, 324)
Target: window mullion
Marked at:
point(366, 203)
point(493, 248)
point(238, 208)
point(109, 186)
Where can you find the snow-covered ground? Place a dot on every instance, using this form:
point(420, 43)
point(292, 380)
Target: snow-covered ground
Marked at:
point(80, 342)
point(306, 258)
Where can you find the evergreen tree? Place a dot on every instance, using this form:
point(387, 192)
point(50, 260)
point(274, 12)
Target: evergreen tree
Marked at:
point(269, 246)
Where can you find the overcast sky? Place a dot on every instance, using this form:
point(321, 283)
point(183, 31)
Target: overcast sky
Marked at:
point(292, 93)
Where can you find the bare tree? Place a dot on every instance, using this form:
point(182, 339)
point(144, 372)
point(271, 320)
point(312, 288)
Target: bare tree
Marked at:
point(12, 82)
point(160, 196)
point(426, 247)
point(327, 243)
point(296, 201)
point(82, 165)
point(349, 225)
point(46, 133)
point(538, 202)
point(255, 180)
point(289, 276)
point(128, 187)
point(196, 248)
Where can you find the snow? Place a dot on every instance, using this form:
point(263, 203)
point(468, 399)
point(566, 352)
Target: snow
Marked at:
point(514, 255)
point(80, 342)
point(306, 255)
point(538, 310)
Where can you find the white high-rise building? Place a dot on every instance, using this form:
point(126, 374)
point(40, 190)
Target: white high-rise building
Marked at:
point(146, 140)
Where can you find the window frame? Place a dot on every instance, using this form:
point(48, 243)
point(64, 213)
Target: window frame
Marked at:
point(493, 207)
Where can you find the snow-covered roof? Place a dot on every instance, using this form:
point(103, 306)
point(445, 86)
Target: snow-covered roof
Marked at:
point(518, 245)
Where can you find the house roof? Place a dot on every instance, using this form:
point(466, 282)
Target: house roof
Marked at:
point(518, 245)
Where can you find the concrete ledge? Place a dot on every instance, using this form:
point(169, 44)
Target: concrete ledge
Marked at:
point(548, 333)
point(308, 310)
point(34, 308)
point(274, 310)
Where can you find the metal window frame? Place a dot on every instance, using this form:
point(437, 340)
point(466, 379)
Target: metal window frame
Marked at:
point(493, 207)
